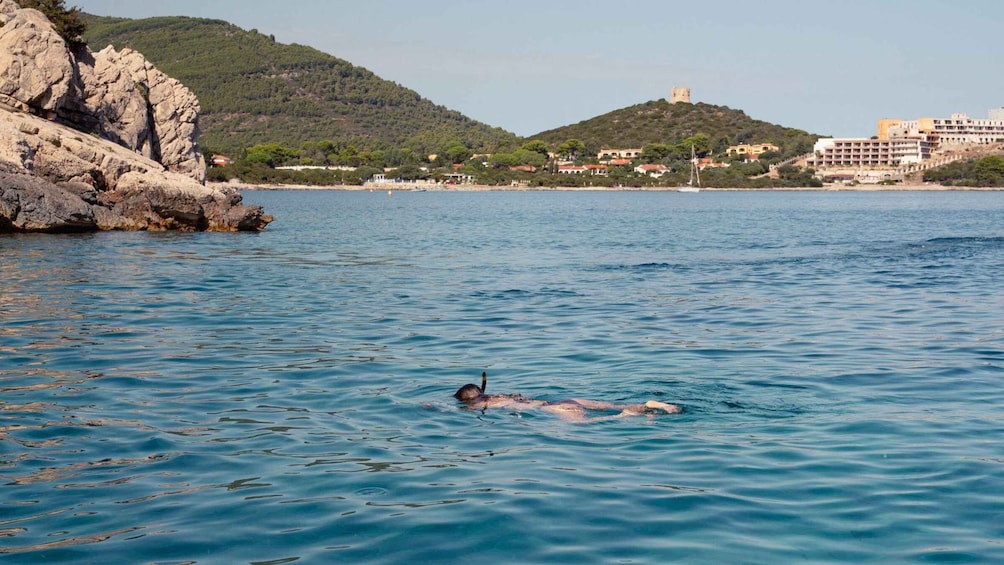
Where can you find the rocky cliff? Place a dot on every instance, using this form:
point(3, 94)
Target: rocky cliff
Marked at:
point(101, 140)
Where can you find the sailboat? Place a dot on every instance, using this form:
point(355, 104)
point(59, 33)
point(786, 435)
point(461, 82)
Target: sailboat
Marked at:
point(694, 172)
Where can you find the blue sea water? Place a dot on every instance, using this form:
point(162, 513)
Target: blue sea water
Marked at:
point(286, 396)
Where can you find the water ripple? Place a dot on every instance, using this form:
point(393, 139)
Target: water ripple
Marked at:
point(283, 397)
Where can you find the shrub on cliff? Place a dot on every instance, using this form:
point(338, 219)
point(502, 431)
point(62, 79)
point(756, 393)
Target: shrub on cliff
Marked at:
point(66, 21)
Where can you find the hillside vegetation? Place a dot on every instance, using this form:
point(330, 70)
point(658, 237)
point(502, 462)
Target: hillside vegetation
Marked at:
point(986, 172)
point(272, 105)
point(254, 90)
point(659, 122)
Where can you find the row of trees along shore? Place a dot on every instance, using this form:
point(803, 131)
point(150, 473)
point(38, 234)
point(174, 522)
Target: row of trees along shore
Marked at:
point(533, 163)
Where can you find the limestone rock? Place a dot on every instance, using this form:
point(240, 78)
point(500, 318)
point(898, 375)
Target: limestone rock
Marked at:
point(131, 158)
point(36, 68)
point(58, 179)
point(119, 95)
point(112, 103)
point(31, 204)
point(175, 115)
point(139, 107)
point(7, 9)
point(167, 205)
point(14, 147)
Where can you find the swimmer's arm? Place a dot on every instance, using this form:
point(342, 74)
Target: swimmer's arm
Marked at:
point(669, 408)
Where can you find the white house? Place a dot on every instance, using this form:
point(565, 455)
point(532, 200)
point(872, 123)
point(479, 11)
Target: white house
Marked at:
point(652, 170)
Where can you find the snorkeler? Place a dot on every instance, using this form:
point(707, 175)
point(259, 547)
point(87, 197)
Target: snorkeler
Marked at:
point(572, 410)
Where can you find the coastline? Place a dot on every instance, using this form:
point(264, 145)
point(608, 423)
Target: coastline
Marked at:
point(487, 188)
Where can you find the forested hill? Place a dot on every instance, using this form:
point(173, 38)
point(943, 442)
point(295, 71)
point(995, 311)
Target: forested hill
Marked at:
point(254, 90)
point(659, 121)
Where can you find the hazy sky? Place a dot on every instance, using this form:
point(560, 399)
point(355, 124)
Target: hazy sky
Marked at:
point(831, 67)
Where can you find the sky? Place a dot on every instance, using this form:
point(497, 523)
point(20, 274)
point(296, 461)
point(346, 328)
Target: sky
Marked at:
point(827, 67)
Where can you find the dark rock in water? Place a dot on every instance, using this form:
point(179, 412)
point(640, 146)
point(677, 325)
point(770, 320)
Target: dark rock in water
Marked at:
point(31, 204)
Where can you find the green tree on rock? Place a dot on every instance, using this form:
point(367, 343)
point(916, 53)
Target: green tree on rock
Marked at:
point(66, 21)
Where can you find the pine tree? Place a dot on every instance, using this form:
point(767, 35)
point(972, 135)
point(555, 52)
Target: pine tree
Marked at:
point(67, 21)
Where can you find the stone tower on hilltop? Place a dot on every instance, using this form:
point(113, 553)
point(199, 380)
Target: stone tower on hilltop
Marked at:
point(680, 94)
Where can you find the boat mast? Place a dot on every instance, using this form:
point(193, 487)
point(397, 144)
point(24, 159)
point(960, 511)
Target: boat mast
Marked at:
point(693, 167)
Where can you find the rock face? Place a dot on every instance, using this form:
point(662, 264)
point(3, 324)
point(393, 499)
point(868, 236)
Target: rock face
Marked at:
point(101, 140)
point(137, 106)
point(28, 203)
point(37, 71)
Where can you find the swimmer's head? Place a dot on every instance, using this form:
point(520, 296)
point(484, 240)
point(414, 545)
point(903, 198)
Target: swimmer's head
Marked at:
point(468, 393)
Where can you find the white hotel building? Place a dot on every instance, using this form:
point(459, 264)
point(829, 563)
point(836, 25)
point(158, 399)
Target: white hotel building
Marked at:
point(958, 130)
point(906, 142)
point(863, 153)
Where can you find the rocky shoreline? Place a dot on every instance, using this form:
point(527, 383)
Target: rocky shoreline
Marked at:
point(100, 141)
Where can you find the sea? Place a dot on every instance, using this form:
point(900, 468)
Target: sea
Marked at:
point(286, 396)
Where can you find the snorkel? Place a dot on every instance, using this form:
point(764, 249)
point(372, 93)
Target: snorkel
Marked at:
point(470, 391)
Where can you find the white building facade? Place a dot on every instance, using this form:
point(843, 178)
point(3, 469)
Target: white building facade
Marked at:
point(957, 130)
point(864, 153)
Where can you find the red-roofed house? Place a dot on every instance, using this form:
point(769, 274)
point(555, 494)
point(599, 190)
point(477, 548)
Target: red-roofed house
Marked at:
point(598, 170)
point(652, 170)
point(571, 170)
point(710, 163)
point(221, 161)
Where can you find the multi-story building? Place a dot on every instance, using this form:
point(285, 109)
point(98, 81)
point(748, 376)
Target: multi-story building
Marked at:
point(906, 142)
point(863, 153)
point(606, 154)
point(751, 149)
point(956, 130)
